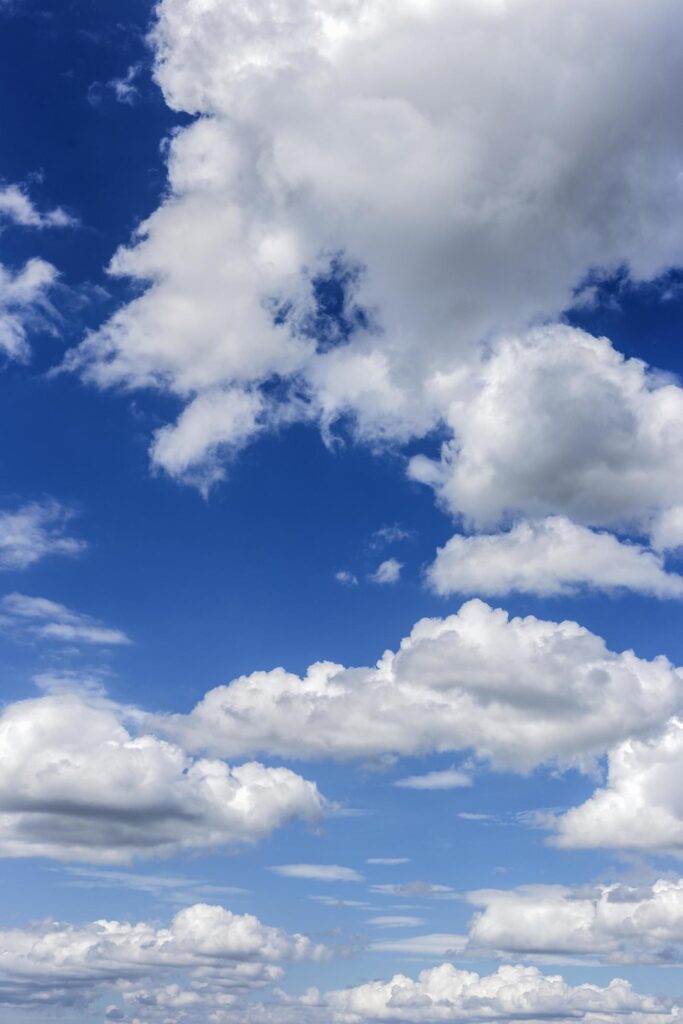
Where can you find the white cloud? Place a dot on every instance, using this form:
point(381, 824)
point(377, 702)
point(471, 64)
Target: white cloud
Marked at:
point(548, 557)
point(124, 88)
point(557, 421)
point(451, 778)
point(34, 531)
point(346, 577)
point(17, 208)
point(615, 923)
point(446, 993)
point(318, 872)
point(388, 861)
point(388, 571)
point(58, 964)
point(436, 944)
point(506, 687)
point(641, 805)
point(24, 304)
point(667, 531)
point(418, 889)
point(75, 784)
point(348, 127)
point(48, 620)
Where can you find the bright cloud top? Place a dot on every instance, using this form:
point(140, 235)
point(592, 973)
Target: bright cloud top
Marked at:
point(431, 158)
point(549, 557)
point(506, 687)
point(616, 923)
point(76, 785)
point(640, 806)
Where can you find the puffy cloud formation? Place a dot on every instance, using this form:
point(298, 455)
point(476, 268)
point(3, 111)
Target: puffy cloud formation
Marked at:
point(641, 805)
point(76, 785)
point(34, 531)
point(63, 965)
point(549, 557)
point(433, 159)
point(387, 572)
point(617, 923)
point(557, 421)
point(520, 691)
point(49, 620)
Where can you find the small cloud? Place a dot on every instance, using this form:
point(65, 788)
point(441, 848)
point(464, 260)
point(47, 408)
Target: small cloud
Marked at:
point(48, 620)
point(318, 872)
point(34, 531)
point(346, 578)
point(449, 779)
point(124, 88)
point(389, 535)
point(387, 861)
point(387, 572)
point(436, 945)
point(395, 921)
point(17, 208)
point(418, 888)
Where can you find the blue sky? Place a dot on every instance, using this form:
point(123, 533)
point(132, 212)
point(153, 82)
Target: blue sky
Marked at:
point(341, 517)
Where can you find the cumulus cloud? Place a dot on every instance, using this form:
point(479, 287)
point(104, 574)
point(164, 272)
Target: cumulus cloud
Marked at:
point(388, 571)
point(641, 805)
point(61, 965)
point(519, 691)
point(34, 531)
point(318, 872)
point(616, 923)
point(49, 620)
point(451, 778)
point(75, 784)
point(338, 138)
point(549, 557)
point(17, 208)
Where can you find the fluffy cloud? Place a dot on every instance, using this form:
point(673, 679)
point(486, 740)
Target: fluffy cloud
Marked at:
point(557, 421)
point(76, 785)
point(49, 620)
point(518, 691)
point(641, 805)
point(57, 964)
point(446, 993)
point(433, 160)
point(16, 206)
point(548, 557)
point(616, 923)
point(34, 531)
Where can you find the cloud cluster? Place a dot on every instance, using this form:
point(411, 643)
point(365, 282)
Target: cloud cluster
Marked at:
point(615, 923)
point(434, 161)
point(519, 691)
point(75, 784)
point(34, 531)
point(56, 964)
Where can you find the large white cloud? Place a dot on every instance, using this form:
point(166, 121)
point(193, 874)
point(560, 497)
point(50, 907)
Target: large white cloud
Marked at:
point(520, 691)
point(640, 807)
point(53, 964)
point(616, 923)
point(76, 785)
point(475, 160)
point(549, 557)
